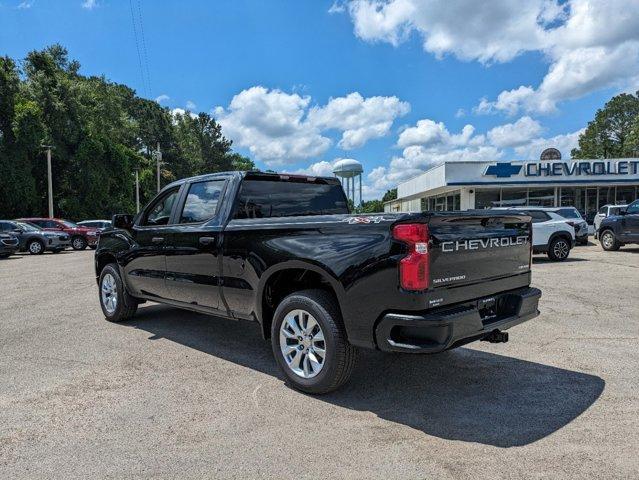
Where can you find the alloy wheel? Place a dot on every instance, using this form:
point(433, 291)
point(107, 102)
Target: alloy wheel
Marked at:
point(561, 249)
point(607, 240)
point(35, 247)
point(109, 293)
point(302, 343)
point(78, 243)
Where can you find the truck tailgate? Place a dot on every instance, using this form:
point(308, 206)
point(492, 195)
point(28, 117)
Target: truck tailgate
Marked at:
point(474, 246)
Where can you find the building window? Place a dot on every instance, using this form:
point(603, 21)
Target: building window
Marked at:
point(625, 195)
point(487, 198)
point(514, 197)
point(606, 196)
point(541, 197)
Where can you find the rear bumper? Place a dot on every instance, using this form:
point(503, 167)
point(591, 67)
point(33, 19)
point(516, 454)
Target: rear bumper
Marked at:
point(455, 325)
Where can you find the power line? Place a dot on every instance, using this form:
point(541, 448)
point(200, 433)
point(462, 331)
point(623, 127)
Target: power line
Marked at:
point(144, 54)
point(137, 47)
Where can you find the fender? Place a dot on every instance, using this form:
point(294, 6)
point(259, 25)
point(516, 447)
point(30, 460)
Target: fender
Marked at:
point(299, 264)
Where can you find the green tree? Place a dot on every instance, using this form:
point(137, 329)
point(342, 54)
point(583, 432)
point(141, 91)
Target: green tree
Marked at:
point(390, 195)
point(610, 134)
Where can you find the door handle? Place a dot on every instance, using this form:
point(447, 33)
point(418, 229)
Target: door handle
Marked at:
point(207, 240)
point(157, 239)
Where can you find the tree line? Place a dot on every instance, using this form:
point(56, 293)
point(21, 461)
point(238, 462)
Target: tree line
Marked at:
point(100, 133)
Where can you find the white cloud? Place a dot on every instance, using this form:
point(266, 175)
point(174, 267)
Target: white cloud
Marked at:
point(337, 7)
point(514, 134)
point(25, 5)
point(162, 98)
point(89, 4)
point(589, 44)
point(564, 143)
point(283, 128)
point(360, 119)
point(190, 105)
point(181, 111)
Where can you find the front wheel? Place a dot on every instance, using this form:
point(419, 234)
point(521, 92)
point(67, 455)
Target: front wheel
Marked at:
point(310, 344)
point(559, 249)
point(608, 241)
point(78, 243)
point(35, 247)
point(117, 305)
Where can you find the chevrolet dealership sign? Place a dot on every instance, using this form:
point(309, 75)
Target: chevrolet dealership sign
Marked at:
point(577, 168)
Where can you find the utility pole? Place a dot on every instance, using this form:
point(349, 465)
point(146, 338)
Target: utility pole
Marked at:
point(158, 157)
point(49, 179)
point(137, 190)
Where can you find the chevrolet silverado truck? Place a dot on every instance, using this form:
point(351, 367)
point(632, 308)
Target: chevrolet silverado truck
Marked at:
point(285, 252)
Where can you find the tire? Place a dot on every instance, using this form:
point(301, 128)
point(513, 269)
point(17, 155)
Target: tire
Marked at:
point(609, 241)
point(78, 243)
point(35, 247)
point(4, 255)
point(93, 247)
point(110, 283)
point(558, 249)
point(339, 355)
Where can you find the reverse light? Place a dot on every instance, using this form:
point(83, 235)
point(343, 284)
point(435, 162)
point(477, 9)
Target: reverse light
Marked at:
point(414, 269)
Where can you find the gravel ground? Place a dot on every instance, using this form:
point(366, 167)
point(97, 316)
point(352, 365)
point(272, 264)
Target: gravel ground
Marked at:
point(173, 394)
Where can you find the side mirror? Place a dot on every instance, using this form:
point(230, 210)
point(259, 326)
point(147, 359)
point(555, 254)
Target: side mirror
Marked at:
point(123, 221)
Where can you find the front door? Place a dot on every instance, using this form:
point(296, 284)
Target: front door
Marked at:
point(145, 267)
point(630, 222)
point(192, 260)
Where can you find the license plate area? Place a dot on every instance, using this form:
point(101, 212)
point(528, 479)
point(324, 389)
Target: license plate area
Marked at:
point(495, 308)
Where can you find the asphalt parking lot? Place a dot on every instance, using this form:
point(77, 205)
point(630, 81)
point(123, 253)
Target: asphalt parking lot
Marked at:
point(173, 394)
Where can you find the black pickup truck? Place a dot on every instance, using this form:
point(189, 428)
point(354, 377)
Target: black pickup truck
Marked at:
point(284, 251)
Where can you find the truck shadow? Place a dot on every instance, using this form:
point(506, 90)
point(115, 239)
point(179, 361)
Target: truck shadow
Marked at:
point(463, 394)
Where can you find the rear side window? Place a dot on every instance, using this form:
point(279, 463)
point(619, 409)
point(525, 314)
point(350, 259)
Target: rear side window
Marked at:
point(269, 198)
point(568, 213)
point(538, 216)
point(201, 201)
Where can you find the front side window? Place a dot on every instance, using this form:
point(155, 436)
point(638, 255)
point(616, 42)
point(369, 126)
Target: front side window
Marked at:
point(633, 208)
point(201, 201)
point(159, 213)
point(569, 213)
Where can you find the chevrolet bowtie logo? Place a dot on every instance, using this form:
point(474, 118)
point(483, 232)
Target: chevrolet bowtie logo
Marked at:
point(503, 169)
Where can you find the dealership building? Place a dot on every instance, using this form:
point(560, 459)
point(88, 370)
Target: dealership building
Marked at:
point(584, 184)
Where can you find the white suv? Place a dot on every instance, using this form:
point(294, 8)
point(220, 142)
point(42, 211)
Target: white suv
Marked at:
point(552, 234)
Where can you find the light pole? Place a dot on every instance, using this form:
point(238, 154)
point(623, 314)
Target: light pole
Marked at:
point(137, 190)
point(158, 157)
point(49, 179)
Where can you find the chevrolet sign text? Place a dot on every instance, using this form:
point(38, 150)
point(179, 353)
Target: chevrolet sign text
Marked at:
point(481, 243)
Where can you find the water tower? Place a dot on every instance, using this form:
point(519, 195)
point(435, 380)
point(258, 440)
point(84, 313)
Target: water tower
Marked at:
point(348, 170)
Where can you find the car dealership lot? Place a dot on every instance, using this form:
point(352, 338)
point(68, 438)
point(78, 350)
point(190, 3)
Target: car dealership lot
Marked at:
point(176, 394)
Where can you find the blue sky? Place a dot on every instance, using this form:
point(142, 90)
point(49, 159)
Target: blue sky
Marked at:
point(298, 84)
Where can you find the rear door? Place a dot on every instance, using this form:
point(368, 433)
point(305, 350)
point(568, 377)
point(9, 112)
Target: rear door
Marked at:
point(631, 222)
point(476, 246)
point(192, 257)
point(145, 269)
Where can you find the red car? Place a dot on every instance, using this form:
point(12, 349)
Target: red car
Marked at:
point(81, 237)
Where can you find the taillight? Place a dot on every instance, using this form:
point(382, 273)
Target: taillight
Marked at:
point(414, 269)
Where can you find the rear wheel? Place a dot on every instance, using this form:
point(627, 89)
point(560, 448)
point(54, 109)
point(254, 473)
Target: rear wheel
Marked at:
point(117, 305)
point(35, 247)
point(78, 243)
point(559, 249)
point(309, 342)
point(608, 241)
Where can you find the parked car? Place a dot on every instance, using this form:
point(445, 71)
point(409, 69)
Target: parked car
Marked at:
point(604, 212)
point(552, 233)
point(9, 244)
point(98, 224)
point(284, 251)
point(81, 237)
point(574, 218)
point(616, 231)
point(35, 240)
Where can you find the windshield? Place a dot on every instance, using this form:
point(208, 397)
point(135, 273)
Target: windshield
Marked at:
point(569, 213)
point(69, 224)
point(28, 227)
